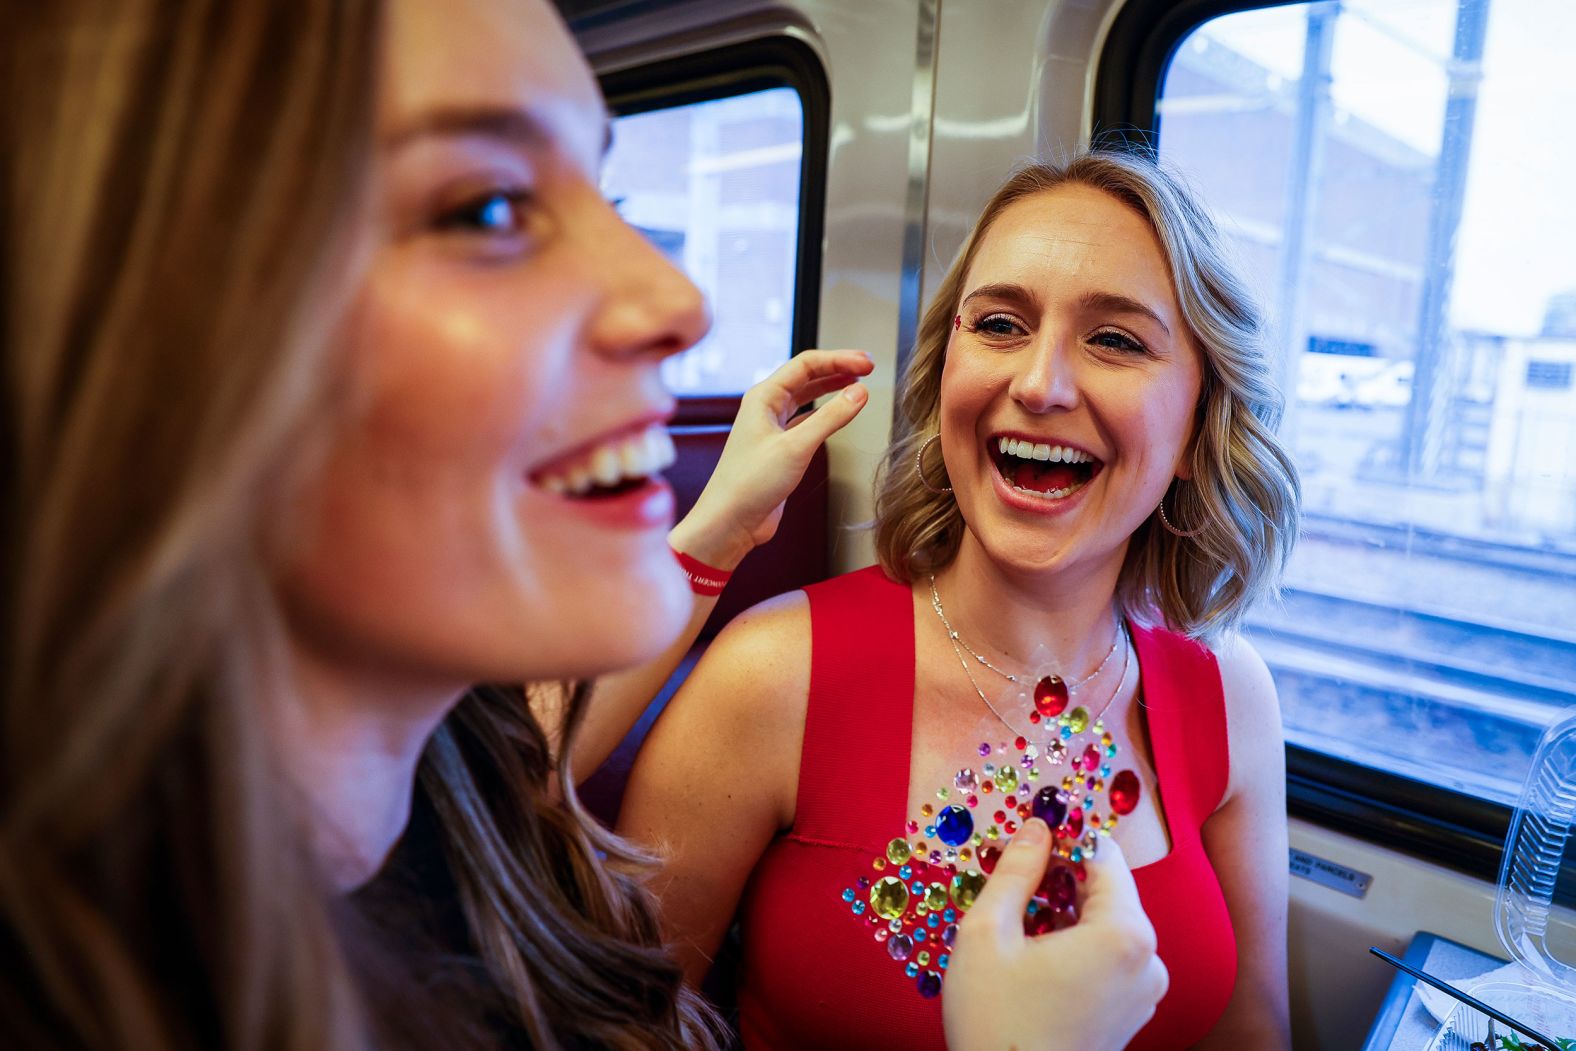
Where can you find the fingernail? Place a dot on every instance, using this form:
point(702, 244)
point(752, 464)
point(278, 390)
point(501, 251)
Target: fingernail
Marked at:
point(855, 393)
point(1033, 831)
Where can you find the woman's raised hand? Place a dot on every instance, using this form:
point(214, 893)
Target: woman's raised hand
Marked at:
point(767, 452)
point(1090, 986)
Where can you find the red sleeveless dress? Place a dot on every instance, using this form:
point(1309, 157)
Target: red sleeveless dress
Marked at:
point(813, 976)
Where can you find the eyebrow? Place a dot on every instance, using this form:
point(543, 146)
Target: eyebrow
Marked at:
point(516, 126)
point(1109, 302)
point(1003, 290)
point(1116, 303)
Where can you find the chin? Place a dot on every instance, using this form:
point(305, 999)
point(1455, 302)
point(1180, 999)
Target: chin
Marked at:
point(618, 620)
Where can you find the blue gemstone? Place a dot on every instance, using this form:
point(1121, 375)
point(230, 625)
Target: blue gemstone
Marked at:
point(1067, 731)
point(933, 920)
point(911, 970)
point(930, 985)
point(951, 915)
point(918, 886)
point(942, 963)
point(848, 895)
point(905, 872)
point(859, 908)
point(954, 826)
point(1048, 808)
point(1105, 771)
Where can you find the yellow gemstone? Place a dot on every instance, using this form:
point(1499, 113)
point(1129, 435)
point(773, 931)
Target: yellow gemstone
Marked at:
point(1107, 740)
point(965, 854)
point(966, 886)
point(936, 896)
point(1034, 773)
point(942, 793)
point(878, 864)
point(924, 959)
point(1007, 778)
point(898, 851)
point(927, 810)
point(1078, 719)
point(1110, 822)
point(993, 833)
point(889, 897)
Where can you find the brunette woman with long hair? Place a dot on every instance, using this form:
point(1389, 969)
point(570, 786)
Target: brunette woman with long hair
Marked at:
point(314, 327)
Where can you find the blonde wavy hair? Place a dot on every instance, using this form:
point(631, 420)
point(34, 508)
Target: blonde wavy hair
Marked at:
point(178, 198)
point(1244, 495)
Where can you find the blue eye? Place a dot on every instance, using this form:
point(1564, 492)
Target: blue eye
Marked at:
point(500, 212)
point(1118, 341)
point(997, 325)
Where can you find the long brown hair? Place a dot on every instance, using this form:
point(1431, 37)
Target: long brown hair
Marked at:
point(1244, 494)
point(176, 246)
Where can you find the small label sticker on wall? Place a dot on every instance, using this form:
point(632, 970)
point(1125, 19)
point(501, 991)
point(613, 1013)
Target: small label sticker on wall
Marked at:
point(1329, 874)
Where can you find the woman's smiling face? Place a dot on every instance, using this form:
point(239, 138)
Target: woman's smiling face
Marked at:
point(1071, 385)
point(491, 510)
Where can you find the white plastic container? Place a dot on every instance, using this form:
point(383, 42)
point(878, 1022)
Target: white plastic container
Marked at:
point(1540, 830)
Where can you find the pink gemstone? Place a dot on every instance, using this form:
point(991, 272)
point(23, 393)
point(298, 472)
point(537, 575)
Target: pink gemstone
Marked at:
point(1050, 696)
point(1090, 760)
point(1124, 792)
point(1073, 827)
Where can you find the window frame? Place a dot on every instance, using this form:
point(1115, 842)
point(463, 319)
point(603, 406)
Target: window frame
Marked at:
point(1432, 822)
point(738, 69)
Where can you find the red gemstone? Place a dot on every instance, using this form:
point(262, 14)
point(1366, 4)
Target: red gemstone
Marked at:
point(1000, 816)
point(1025, 811)
point(1010, 802)
point(988, 857)
point(1034, 717)
point(1050, 696)
point(1009, 827)
point(1073, 826)
point(988, 787)
point(1020, 744)
point(1124, 792)
point(1059, 887)
point(1042, 921)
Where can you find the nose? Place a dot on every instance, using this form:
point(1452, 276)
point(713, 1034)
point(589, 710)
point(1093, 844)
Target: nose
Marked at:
point(1048, 380)
point(648, 307)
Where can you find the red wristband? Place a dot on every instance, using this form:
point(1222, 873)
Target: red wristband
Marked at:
point(704, 579)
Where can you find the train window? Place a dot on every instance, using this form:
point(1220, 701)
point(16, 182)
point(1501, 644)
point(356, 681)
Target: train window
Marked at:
point(717, 159)
point(1393, 178)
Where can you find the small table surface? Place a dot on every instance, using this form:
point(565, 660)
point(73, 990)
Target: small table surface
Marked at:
point(1403, 1023)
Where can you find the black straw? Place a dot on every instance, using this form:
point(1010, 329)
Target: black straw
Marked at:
point(1470, 1001)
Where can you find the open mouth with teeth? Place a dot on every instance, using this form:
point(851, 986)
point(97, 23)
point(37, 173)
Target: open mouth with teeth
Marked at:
point(1039, 469)
point(610, 468)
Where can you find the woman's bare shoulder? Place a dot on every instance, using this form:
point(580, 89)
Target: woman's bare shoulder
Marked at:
point(1253, 717)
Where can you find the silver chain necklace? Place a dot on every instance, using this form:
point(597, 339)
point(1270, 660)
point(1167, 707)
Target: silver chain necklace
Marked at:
point(957, 640)
point(959, 647)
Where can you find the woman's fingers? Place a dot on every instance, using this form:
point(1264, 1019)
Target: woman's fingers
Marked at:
point(1018, 872)
point(1109, 890)
point(812, 428)
point(809, 374)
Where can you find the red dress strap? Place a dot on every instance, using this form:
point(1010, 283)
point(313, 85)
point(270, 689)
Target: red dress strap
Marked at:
point(853, 768)
point(1185, 708)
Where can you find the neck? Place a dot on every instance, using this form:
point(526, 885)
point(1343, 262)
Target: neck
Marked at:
point(351, 740)
point(1010, 617)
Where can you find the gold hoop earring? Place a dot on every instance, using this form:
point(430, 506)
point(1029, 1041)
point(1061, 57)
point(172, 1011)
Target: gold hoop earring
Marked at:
point(1173, 530)
point(919, 466)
